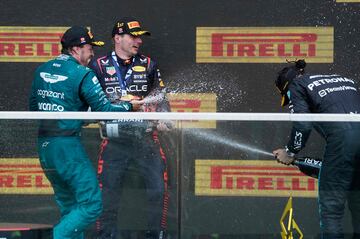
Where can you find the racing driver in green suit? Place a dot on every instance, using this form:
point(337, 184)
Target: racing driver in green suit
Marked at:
point(66, 84)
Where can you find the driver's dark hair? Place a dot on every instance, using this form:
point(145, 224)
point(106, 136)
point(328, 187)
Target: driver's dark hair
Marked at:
point(297, 68)
point(65, 51)
point(287, 74)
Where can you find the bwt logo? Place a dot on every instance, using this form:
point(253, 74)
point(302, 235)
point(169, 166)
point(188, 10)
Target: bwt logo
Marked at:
point(259, 178)
point(263, 44)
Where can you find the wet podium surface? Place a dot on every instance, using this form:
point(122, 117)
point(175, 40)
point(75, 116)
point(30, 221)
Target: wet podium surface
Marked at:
point(25, 231)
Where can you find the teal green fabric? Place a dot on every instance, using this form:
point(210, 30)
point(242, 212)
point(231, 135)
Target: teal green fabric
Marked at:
point(63, 84)
point(74, 181)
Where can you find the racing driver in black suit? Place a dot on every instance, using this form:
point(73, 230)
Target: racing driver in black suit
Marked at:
point(125, 75)
point(339, 179)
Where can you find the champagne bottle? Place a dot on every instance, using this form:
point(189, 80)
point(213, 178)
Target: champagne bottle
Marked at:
point(308, 165)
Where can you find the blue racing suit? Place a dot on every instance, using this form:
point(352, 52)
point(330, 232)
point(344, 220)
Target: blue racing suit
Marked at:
point(132, 141)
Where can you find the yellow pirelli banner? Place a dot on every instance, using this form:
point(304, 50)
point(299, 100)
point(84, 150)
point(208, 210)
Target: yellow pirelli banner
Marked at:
point(264, 44)
point(347, 0)
point(23, 176)
point(193, 102)
point(258, 178)
point(29, 44)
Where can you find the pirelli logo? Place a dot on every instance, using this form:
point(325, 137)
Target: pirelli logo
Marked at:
point(264, 44)
point(251, 178)
point(193, 102)
point(30, 44)
point(23, 176)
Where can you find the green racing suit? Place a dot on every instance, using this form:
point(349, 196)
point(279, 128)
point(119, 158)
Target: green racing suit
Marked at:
point(60, 85)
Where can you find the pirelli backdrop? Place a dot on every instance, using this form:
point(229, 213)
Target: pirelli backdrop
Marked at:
point(215, 56)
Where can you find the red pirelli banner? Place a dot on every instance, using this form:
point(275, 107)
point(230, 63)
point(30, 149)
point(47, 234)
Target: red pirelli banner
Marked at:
point(23, 176)
point(259, 178)
point(29, 44)
point(264, 44)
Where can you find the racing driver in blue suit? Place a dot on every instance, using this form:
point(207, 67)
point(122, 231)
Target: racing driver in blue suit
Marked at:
point(125, 74)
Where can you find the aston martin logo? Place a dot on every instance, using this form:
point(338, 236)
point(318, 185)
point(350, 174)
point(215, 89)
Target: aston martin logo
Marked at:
point(49, 78)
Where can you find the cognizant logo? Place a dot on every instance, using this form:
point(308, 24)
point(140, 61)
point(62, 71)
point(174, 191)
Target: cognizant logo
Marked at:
point(50, 107)
point(51, 94)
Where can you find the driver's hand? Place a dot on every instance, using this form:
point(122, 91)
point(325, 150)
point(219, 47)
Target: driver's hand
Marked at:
point(137, 104)
point(282, 157)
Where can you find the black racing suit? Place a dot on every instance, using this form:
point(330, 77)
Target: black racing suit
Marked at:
point(132, 141)
point(339, 176)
